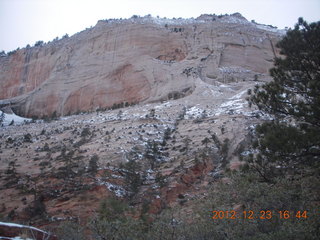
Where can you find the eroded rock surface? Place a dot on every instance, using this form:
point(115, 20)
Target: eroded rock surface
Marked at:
point(134, 60)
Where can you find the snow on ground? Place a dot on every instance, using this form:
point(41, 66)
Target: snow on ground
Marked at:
point(234, 70)
point(163, 105)
point(156, 20)
point(234, 19)
point(240, 20)
point(178, 21)
point(17, 238)
point(14, 225)
point(239, 95)
point(118, 190)
point(230, 19)
point(194, 112)
point(271, 29)
point(231, 106)
point(234, 105)
point(17, 120)
point(20, 226)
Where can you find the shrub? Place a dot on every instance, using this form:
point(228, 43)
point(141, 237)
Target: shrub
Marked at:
point(70, 231)
point(27, 138)
point(93, 164)
point(2, 117)
point(133, 177)
point(85, 132)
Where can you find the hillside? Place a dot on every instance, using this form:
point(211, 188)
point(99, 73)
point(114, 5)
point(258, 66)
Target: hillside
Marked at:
point(169, 94)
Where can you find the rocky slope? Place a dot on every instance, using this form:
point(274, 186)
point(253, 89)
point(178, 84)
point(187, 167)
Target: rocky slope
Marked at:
point(191, 120)
point(135, 60)
point(45, 166)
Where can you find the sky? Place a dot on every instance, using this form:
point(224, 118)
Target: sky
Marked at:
point(24, 22)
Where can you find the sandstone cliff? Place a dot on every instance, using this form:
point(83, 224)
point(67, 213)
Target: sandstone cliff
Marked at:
point(134, 60)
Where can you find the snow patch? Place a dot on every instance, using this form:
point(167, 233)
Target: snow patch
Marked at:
point(271, 29)
point(239, 95)
point(17, 238)
point(234, 19)
point(234, 105)
point(21, 226)
point(17, 120)
point(177, 21)
point(234, 70)
point(118, 190)
point(194, 112)
point(164, 105)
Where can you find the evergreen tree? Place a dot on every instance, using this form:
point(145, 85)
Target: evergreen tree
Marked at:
point(93, 164)
point(2, 117)
point(292, 138)
point(152, 153)
point(206, 141)
point(133, 178)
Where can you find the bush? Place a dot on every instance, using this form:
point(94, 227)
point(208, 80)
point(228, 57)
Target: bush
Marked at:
point(70, 231)
point(85, 132)
point(247, 191)
point(93, 164)
point(28, 138)
point(243, 192)
point(113, 222)
point(2, 117)
point(133, 177)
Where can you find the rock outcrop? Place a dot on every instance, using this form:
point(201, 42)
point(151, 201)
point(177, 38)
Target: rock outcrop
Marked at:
point(135, 60)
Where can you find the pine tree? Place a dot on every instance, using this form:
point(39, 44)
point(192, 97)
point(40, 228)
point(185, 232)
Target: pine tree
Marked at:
point(292, 99)
point(2, 117)
point(93, 164)
point(206, 141)
point(133, 178)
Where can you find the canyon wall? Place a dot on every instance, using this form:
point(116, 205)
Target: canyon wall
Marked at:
point(134, 60)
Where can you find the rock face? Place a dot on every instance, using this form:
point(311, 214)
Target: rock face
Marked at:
point(135, 60)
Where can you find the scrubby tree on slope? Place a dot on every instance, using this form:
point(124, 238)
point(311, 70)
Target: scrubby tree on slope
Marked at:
point(292, 139)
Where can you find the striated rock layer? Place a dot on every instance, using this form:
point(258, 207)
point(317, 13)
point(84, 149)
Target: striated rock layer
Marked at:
point(135, 60)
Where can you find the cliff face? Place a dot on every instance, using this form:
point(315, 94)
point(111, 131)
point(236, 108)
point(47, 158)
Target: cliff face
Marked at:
point(143, 59)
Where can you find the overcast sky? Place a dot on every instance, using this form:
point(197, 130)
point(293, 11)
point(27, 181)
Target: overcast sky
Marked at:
point(24, 22)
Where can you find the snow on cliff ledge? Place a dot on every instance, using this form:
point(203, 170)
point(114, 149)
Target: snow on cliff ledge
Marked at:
point(235, 18)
